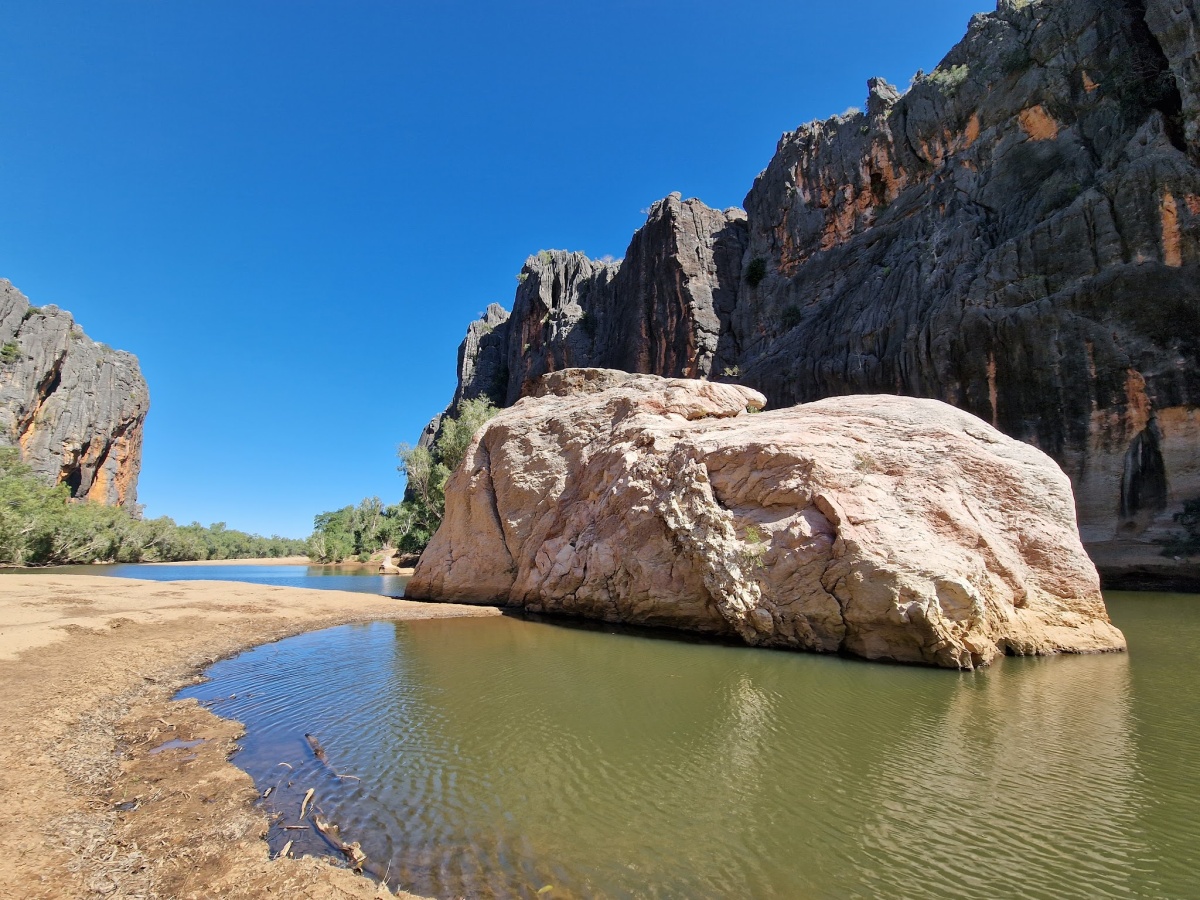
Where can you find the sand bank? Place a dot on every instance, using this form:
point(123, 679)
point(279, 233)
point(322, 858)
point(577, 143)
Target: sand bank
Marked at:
point(370, 567)
point(88, 667)
point(259, 561)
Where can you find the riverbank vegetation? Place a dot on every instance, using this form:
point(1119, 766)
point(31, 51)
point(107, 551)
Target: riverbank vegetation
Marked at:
point(408, 526)
point(355, 532)
point(1188, 542)
point(41, 525)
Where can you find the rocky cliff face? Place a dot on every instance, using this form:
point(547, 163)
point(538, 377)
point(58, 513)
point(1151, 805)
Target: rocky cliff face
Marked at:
point(1017, 234)
point(74, 407)
point(662, 309)
point(883, 527)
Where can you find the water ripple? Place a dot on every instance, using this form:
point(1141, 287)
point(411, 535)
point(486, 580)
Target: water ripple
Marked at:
point(497, 757)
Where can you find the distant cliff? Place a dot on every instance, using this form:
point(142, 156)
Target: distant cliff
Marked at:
point(662, 310)
point(1017, 234)
point(74, 407)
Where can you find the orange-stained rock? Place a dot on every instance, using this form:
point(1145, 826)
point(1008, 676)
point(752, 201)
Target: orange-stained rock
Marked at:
point(1038, 124)
point(883, 527)
point(74, 408)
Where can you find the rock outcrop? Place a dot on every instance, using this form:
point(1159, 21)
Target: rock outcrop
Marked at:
point(74, 407)
point(661, 309)
point(1017, 234)
point(882, 527)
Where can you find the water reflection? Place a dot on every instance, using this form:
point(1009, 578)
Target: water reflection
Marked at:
point(499, 756)
point(1028, 772)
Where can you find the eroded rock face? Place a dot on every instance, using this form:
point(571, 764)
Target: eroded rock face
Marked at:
point(74, 407)
point(882, 527)
point(1018, 235)
point(662, 309)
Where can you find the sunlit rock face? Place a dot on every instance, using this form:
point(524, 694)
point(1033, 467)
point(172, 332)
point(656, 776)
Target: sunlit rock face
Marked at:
point(882, 527)
point(74, 407)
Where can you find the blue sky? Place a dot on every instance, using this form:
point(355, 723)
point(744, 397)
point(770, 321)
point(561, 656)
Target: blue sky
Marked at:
point(291, 210)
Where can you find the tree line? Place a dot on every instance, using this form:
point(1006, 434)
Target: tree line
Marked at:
point(355, 532)
point(41, 525)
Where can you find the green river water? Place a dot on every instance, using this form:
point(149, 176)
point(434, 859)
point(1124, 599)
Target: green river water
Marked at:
point(500, 757)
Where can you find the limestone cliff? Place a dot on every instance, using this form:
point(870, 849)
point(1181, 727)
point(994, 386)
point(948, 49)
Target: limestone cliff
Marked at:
point(1017, 234)
point(74, 407)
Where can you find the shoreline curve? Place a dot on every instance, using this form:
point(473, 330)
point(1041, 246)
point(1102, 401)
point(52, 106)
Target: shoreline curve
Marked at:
point(90, 664)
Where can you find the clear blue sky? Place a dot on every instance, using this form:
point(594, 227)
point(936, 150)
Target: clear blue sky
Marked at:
point(291, 210)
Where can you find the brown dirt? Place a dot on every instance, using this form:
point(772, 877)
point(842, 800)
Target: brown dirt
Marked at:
point(88, 667)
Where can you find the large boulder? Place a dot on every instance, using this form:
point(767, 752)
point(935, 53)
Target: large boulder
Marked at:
point(882, 527)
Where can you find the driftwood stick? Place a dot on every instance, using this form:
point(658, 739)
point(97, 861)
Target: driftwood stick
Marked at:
point(332, 834)
point(319, 753)
point(317, 749)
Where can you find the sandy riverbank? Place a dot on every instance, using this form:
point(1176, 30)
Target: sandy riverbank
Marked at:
point(88, 666)
point(350, 566)
point(262, 561)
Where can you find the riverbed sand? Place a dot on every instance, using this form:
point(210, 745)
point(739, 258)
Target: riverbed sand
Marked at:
point(88, 666)
point(257, 561)
point(351, 565)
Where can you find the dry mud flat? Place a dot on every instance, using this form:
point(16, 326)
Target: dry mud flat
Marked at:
point(88, 666)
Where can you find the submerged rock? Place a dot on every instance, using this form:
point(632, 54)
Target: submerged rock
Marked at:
point(883, 527)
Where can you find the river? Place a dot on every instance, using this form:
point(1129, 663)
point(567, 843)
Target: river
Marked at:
point(362, 579)
point(503, 757)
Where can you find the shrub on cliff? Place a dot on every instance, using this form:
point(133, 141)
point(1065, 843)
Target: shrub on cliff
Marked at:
point(429, 470)
point(756, 271)
point(948, 80)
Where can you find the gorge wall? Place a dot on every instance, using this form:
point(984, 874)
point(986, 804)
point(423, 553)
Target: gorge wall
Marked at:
point(1017, 234)
point(74, 408)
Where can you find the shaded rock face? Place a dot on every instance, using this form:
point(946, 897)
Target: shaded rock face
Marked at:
point(660, 310)
point(483, 359)
point(882, 527)
point(1017, 235)
point(75, 408)
point(1175, 24)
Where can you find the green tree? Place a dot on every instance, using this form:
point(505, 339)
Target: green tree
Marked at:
point(428, 471)
point(457, 433)
point(427, 479)
point(358, 531)
point(332, 539)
